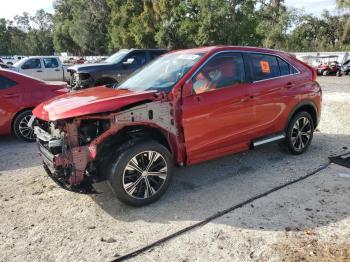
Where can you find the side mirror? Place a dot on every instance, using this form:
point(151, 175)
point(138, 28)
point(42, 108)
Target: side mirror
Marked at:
point(25, 66)
point(187, 89)
point(129, 61)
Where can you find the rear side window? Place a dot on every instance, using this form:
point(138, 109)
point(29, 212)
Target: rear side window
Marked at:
point(6, 82)
point(50, 62)
point(264, 66)
point(32, 64)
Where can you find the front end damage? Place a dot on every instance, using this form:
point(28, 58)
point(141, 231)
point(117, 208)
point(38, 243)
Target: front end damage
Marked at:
point(70, 149)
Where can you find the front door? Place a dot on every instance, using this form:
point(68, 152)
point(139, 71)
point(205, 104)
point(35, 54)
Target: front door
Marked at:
point(218, 116)
point(33, 67)
point(131, 63)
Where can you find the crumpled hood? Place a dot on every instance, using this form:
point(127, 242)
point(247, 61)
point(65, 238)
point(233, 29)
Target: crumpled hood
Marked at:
point(87, 68)
point(89, 101)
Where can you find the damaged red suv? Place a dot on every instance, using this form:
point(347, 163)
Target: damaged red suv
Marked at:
point(184, 108)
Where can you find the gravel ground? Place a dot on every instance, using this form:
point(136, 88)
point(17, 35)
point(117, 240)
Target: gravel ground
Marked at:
point(307, 221)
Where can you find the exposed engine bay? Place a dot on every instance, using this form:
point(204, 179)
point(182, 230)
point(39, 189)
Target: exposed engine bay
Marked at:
point(70, 148)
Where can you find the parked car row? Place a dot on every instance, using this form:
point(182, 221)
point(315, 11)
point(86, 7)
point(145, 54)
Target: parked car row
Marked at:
point(184, 108)
point(333, 68)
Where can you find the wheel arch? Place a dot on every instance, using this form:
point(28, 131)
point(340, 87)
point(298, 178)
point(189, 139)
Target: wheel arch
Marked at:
point(125, 138)
point(307, 106)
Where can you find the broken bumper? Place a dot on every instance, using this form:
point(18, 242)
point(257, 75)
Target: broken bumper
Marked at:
point(66, 167)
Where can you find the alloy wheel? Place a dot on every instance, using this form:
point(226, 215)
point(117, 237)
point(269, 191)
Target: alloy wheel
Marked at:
point(301, 133)
point(25, 130)
point(145, 174)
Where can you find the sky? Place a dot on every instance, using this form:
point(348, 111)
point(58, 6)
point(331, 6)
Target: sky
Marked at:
point(10, 8)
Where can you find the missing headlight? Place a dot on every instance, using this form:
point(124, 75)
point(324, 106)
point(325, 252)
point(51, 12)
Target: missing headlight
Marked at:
point(90, 129)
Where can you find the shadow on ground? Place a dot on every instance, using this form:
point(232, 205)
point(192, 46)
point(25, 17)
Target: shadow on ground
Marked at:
point(202, 190)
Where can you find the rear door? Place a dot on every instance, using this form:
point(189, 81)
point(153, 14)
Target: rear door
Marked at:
point(272, 92)
point(218, 116)
point(10, 101)
point(33, 67)
point(52, 69)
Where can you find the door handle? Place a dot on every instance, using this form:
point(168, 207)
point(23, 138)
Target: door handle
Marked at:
point(289, 85)
point(57, 70)
point(39, 71)
point(10, 96)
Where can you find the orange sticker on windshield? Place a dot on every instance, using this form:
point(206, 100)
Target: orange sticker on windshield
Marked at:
point(265, 67)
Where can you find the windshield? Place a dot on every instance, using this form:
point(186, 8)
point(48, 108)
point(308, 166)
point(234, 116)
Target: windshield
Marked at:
point(162, 74)
point(117, 57)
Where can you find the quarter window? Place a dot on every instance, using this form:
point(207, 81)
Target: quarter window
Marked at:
point(32, 64)
point(264, 66)
point(222, 71)
point(6, 83)
point(284, 67)
point(50, 62)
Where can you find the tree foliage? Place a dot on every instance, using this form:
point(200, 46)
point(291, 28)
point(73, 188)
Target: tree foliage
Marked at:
point(98, 27)
point(27, 35)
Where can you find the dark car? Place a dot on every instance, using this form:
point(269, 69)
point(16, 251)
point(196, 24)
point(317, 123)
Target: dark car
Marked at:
point(186, 107)
point(113, 70)
point(345, 68)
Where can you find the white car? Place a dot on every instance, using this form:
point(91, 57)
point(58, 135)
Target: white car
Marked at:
point(48, 68)
point(10, 60)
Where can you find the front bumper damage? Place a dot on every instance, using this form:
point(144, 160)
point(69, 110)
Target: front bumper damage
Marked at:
point(67, 166)
point(73, 164)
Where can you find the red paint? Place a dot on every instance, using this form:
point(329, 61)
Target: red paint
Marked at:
point(26, 94)
point(89, 101)
point(211, 124)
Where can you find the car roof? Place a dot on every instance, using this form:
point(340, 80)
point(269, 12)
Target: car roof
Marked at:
point(145, 49)
point(219, 48)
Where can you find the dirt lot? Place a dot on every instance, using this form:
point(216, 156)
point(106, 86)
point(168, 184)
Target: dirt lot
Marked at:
point(307, 221)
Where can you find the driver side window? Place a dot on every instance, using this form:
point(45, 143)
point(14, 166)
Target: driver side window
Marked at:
point(225, 70)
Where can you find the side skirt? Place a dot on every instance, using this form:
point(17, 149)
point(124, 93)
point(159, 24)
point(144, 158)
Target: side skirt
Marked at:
point(268, 139)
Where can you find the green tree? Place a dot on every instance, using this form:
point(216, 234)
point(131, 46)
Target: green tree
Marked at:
point(5, 43)
point(81, 26)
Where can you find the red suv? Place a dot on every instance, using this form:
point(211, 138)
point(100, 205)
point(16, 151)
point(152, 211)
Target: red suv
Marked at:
point(19, 94)
point(184, 108)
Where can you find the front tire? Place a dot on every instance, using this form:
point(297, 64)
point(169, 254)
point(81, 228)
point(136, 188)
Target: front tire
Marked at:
point(20, 127)
point(299, 133)
point(141, 173)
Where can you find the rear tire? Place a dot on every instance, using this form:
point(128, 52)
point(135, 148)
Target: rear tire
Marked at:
point(140, 174)
point(299, 133)
point(20, 128)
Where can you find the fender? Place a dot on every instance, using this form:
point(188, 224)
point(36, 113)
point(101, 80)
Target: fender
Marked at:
point(299, 106)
